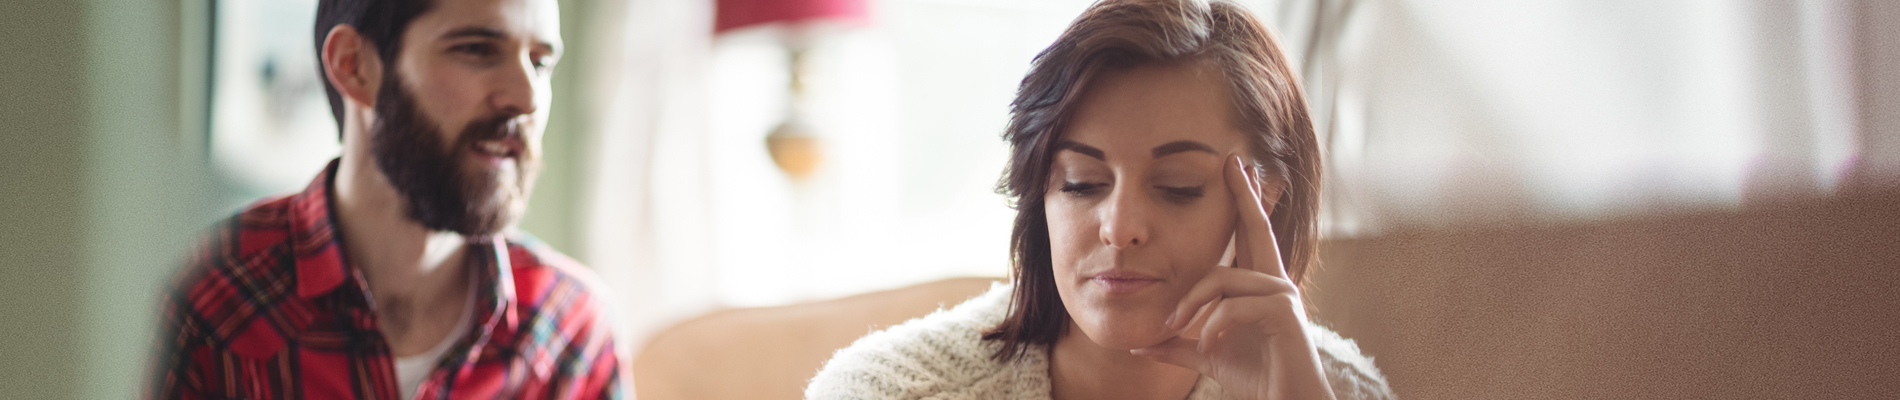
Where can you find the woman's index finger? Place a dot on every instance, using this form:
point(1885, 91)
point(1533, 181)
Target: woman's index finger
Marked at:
point(1258, 249)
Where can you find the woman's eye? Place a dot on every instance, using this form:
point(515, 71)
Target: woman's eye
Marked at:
point(1183, 193)
point(1081, 188)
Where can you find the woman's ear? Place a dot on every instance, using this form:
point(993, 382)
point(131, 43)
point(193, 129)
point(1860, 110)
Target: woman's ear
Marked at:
point(1273, 184)
point(1273, 190)
point(351, 65)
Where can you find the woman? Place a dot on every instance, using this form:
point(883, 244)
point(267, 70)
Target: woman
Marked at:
point(1166, 179)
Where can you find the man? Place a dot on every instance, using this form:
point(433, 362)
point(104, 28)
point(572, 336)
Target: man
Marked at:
point(393, 275)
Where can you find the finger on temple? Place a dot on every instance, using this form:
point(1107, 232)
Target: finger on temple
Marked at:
point(1263, 254)
point(1235, 175)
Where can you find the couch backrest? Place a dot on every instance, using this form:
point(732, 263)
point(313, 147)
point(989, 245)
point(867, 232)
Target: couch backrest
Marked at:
point(770, 352)
point(1798, 300)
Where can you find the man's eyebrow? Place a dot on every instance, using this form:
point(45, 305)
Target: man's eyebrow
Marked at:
point(1086, 150)
point(475, 31)
point(492, 33)
point(1181, 146)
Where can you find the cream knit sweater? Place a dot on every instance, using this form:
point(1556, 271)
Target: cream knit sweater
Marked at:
point(943, 356)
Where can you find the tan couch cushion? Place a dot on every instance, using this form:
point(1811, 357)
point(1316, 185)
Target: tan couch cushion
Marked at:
point(770, 352)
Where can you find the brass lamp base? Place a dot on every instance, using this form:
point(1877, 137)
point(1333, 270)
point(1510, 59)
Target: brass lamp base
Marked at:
point(794, 149)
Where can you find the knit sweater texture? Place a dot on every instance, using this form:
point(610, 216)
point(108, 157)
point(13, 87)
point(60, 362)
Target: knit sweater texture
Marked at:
point(943, 356)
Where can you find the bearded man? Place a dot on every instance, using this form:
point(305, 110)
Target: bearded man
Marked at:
point(394, 274)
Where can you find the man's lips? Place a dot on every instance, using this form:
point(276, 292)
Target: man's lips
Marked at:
point(508, 147)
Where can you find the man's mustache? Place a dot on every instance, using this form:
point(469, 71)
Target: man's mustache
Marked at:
point(497, 127)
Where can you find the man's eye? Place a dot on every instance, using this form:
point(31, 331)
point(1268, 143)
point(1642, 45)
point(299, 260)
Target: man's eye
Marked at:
point(1183, 193)
point(1082, 188)
point(476, 49)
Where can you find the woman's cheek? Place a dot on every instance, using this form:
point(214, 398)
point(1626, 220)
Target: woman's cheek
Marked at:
point(1068, 242)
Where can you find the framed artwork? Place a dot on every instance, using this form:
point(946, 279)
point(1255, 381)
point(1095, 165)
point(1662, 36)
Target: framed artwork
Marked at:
point(271, 129)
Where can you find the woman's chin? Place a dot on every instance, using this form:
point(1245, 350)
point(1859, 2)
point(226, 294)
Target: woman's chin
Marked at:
point(1126, 333)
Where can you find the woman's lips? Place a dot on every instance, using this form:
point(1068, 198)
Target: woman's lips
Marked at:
point(1124, 281)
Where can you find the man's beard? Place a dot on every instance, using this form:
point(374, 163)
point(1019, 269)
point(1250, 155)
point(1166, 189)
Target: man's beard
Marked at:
point(443, 190)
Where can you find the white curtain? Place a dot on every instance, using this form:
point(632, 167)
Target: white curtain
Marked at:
point(1479, 112)
point(645, 220)
point(687, 213)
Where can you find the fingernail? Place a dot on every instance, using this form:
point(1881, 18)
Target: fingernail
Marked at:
point(1170, 321)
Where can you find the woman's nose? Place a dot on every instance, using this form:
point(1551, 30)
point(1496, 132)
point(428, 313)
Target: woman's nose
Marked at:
point(1125, 218)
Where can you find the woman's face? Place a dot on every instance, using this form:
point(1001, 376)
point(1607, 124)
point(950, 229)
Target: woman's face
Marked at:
point(1137, 208)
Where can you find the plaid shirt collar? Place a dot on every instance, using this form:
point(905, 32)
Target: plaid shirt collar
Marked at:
point(321, 267)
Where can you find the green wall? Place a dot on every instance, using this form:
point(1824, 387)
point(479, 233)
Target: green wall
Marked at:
point(102, 189)
point(42, 115)
point(555, 210)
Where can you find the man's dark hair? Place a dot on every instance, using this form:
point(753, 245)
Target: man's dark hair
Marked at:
point(381, 22)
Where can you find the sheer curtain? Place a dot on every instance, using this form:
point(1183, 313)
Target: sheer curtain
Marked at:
point(1467, 112)
point(644, 225)
point(685, 211)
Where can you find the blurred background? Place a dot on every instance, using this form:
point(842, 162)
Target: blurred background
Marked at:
point(1549, 199)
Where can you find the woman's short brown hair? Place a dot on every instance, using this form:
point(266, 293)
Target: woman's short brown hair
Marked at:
point(1121, 34)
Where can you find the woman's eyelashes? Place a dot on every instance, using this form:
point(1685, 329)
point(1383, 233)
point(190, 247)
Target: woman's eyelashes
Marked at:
point(1082, 189)
point(1183, 194)
point(1174, 194)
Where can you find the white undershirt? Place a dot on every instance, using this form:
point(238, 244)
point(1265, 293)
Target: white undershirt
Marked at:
point(412, 370)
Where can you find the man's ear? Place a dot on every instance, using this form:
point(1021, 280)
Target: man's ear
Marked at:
point(351, 64)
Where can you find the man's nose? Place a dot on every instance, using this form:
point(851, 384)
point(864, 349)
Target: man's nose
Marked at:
point(1125, 218)
point(515, 90)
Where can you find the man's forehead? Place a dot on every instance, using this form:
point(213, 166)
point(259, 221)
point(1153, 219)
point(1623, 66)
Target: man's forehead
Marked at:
point(538, 20)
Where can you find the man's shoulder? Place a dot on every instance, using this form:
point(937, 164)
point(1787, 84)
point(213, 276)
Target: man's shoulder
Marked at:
point(258, 228)
point(544, 275)
point(245, 240)
point(239, 264)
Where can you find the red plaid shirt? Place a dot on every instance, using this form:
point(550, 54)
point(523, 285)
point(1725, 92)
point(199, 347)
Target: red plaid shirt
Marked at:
point(269, 309)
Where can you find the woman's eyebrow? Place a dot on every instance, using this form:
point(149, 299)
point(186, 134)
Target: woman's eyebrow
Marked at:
point(1086, 150)
point(1181, 146)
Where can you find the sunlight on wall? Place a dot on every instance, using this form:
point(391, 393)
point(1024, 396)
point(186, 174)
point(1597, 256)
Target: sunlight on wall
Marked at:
point(911, 110)
point(1457, 113)
point(271, 128)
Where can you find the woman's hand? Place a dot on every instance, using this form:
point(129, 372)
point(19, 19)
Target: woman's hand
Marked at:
point(1251, 323)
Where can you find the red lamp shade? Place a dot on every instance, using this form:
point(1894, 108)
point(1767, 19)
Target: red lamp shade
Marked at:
point(734, 14)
